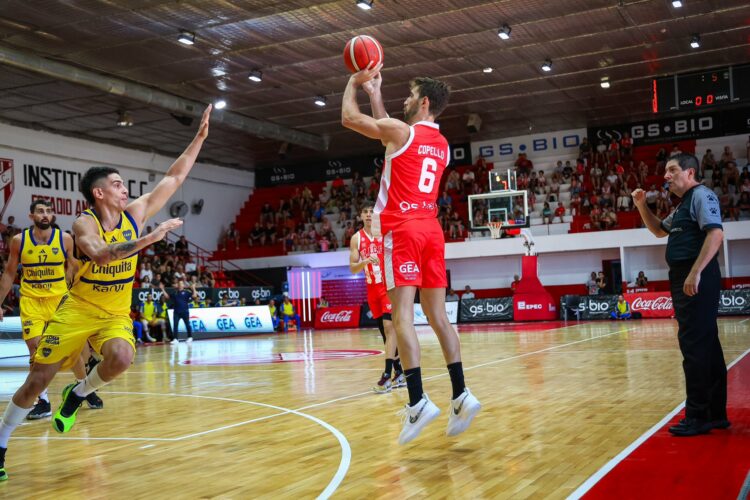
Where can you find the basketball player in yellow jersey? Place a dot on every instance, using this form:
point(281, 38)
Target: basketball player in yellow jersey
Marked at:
point(42, 251)
point(97, 307)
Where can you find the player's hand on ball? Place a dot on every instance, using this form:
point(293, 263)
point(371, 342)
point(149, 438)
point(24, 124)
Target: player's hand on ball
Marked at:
point(639, 197)
point(373, 86)
point(367, 74)
point(165, 227)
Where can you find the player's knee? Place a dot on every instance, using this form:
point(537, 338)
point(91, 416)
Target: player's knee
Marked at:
point(120, 359)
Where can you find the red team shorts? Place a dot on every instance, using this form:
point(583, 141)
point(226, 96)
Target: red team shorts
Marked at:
point(377, 298)
point(415, 255)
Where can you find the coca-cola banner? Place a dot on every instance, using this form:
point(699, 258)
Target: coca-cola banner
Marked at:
point(337, 317)
point(734, 302)
point(650, 304)
point(475, 310)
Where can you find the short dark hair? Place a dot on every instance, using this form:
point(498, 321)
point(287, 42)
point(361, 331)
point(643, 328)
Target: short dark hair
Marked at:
point(686, 161)
point(366, 205)
point(436, 91)
point(90, 178)
point(40, 201)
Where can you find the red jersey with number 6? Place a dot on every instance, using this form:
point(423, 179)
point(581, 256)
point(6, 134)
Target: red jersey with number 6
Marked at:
point(411, 179)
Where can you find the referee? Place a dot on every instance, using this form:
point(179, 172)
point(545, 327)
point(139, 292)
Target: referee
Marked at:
point(695, 235)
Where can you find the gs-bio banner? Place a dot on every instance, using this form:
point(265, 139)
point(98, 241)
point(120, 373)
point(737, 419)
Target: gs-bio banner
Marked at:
point(734, 302)
point(476, 310)
point(249, 293)
point(230, 320)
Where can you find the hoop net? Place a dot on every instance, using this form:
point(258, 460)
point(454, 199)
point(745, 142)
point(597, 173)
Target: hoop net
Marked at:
point(495, 229)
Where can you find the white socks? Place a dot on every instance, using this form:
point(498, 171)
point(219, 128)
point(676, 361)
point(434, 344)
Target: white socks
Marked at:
point(12, 417)
point(91, 383)
point(44, 395)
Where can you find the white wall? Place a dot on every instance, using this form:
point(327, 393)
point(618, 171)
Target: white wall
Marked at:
point(224, 190)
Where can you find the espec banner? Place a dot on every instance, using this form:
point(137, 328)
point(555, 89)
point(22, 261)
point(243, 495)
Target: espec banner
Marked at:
point(650, 304)
point(451, 309)
point(476, 310)
point(337, 317)
point(734, 302)
point(229, 320)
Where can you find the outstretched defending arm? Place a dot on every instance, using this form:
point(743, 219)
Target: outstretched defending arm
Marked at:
point(9, 275)
point(90, 242)
point(149, 204)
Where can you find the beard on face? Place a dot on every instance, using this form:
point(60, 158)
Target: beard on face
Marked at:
point(43, 225)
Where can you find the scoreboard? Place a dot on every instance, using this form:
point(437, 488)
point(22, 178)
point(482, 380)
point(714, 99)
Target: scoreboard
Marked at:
point(706, 89)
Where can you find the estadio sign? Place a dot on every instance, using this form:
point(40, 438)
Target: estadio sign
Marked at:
point(476, 310)
point(229, 320)
point(337, 317)
point(451, 309)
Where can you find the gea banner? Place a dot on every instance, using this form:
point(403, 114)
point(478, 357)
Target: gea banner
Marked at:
point(451, 309)
point(734, 302)
point(230, 320)
point(337, 317)
point(475, 310)
point(249, 293)
point(650, 304)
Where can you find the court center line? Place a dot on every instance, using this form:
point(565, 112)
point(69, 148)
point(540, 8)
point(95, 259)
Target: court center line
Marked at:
point(603, 471)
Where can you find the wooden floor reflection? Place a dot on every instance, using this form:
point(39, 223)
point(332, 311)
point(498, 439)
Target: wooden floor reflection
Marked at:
point(292, 416)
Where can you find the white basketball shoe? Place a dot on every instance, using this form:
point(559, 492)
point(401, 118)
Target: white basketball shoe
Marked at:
point(463, 409)
point(415, 418)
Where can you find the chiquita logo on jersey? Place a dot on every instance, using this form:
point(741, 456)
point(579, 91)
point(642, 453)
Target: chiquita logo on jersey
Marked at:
point(121, 267)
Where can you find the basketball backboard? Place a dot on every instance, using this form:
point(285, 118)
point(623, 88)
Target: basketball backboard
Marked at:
point(509, 207)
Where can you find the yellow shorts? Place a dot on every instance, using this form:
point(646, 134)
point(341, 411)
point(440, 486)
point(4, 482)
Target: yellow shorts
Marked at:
point(35, 313)
point(74, 323)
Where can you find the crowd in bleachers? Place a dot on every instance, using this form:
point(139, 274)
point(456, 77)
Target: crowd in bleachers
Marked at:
point(589, 191)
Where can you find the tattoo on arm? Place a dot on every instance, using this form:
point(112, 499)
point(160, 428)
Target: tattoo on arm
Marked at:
point(121, 250)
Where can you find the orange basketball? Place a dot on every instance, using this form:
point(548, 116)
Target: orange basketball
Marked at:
point(361, 51)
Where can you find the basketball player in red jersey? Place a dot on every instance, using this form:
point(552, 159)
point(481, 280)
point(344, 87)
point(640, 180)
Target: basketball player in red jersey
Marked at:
point(366, 253)
point(405, 214)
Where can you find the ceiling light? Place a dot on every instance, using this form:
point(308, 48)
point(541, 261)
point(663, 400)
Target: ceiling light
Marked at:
point(186, 38)
point(220, 104)
point(320, 101)
point(218, 71)
point(124, 119)
point(365, 4)
point(605, 82)
point(547, 65)
point(695, 42)
point(487, 70)
point(676, 4)
point(504, 32)
point(255, 75)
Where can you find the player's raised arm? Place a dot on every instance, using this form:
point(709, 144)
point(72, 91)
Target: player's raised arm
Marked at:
point(389, 131)
point(71, 263)
point(372, 87)
point(9, 275)
point(149, 204)
point(92, 245)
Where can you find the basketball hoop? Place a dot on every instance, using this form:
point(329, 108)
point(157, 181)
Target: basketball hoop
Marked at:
point(495, 229)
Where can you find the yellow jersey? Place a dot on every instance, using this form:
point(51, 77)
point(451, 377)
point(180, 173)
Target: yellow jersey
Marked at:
point(108, 287)
point(43, 264)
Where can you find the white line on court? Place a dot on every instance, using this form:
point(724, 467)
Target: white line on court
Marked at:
point(598, 475)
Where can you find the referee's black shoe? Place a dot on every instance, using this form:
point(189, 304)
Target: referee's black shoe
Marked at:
point(691, 427)
point(721, 424)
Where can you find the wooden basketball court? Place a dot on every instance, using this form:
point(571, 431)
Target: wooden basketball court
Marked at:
point(292, 416)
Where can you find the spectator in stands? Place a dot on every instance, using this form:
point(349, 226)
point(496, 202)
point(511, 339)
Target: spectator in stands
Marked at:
point(642, 173)
point(609, 219)
point(445, 200)
point(546, 214)
point(137, 325)
point(729, 208)
point(145, 282)
point(451, 296)
point(274, 314)
point(743, 206)
point(601, 283)
point(641, 280)
point(613, 150)
point(591, 285)
point(744, 178)
point(626, 145)
point(270, 234)
point(624, 201)
point(612, 177)
point(523, 164)
point(607, 198)
point(731, 177)
point(181, 246)
point(554, 188)
point(145, 271)
point(596, 176)
point(726, 156)
point(622, 309)
point(232, 235)
point(289, 313)
point(348, 233)
point(257, 235)
point(575, 205)
point(266, 213)
point(675, 150)
point(584, 150)
point(191, 269)
point(560, 211)
point(322, 302)
point(567, 171)
point(324, 244)
point(601, 151)
point(453, 181)
point(468, 180)
point(708, 164)
point(541, 183)
point(631, 181)
point(661, 160)
point(514, 283)
point(468, 294)
point(652, 197)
